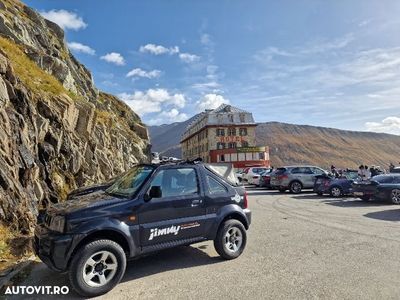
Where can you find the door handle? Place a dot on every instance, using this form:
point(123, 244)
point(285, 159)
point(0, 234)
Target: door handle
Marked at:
point(196, 202)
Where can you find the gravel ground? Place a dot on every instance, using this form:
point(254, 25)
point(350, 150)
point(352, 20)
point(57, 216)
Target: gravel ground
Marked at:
point(299, 247)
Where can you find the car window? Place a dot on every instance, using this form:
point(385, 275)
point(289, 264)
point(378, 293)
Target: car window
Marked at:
point(318, 171)
point(301, 170)
point(176, 182)
point(130, 182)
point(396, 179)
point(383, 179)
point(214, 187)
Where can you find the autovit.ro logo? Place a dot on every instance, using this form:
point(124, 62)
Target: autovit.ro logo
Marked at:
point(36, 290)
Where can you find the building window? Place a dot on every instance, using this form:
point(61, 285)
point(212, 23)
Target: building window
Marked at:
point(261, 155)
point(245, 144)
point(230, 117)
point(232, 145)
point(222, 157)
point(242, 118)
point(220, 145)
point(242, 131)
point(220, 132)
point(231, 131)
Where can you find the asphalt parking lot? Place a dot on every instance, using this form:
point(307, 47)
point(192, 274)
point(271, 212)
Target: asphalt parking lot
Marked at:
point(299, 247)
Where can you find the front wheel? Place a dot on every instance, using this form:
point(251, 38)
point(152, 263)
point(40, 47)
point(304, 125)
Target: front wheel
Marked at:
point(336, 191)
point(231, 239)
point(97, 268)
point(395, 196)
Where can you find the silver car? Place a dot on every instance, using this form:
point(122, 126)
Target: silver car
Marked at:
point(295, 178)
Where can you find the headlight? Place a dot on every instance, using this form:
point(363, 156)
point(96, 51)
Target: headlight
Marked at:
point(57, 223)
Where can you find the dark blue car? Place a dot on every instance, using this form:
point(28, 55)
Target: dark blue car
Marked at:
point(333, 186)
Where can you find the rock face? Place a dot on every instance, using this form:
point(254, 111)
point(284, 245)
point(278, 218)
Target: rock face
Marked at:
point(57, 131)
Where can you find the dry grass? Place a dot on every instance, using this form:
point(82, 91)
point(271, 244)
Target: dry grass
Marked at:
point(13, 247)
point(33, 77)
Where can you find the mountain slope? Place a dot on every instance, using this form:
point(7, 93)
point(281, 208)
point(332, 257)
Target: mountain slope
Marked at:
point(293, 144)
point(57, 131)
point(165, 138)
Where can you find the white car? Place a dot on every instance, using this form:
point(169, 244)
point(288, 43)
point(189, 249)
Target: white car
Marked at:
point(252, 174)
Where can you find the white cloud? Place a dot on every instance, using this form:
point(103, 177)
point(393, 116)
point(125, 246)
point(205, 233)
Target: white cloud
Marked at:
point(138, 72)
point(114, 58)
point(189, 58)
point(78, 47)
point(65, 19)
point(210, 101)
point(387, 125)
point(158, 49)
point(167, 117)
point(152, 100)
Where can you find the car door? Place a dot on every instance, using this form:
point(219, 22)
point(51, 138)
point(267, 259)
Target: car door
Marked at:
point(308, 177)
point(178, 215)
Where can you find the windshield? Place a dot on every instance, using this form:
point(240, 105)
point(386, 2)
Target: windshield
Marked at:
point(129, 183)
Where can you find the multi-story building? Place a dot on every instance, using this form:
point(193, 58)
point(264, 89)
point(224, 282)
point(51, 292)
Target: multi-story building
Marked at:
point(225, 134)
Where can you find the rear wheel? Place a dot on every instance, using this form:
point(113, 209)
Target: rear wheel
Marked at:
point(231, 239)
point(320, 193)
point(365, 198)
point(395, 196)
point(97, 268)
point(336, 191)
point(295, 187)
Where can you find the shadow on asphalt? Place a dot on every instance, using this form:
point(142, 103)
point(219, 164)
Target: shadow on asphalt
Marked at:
point(385, 215)
point(167, 260)
point(354, 202)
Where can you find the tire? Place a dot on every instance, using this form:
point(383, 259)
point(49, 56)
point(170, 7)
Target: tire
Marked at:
point(226, 248)
point(336, 191)
point(395, 196)
point(365, 198)
point(282, 190)
point(295, 187)
point(320, 193)
point(95, 252)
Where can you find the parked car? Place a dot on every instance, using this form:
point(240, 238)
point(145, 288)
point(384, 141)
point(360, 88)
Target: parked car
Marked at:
point(336, 187)
point(382, 187)
point(395, 170)
point(252, 174)
point(265, 179)
point(295, 178)
point(149, 208)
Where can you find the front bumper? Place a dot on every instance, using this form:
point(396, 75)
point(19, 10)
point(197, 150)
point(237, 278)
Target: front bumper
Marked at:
point(53, 248)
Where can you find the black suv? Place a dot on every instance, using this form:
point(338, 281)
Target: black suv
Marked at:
point(149, 208)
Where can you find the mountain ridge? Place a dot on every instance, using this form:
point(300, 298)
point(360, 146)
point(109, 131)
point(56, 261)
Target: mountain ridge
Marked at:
point(324, 146)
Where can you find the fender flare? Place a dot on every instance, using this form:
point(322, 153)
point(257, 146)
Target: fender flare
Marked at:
point(231, 211)
point(91, 228)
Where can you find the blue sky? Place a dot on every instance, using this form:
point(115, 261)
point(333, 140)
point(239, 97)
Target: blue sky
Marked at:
point(325, 63)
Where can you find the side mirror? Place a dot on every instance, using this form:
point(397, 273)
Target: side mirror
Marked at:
point(155, 192)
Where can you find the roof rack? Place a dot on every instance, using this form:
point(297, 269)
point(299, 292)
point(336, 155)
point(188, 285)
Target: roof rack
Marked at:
point(193, 161)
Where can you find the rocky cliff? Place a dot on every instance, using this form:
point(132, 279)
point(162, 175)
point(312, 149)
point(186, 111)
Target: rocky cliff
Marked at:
point(57, 131)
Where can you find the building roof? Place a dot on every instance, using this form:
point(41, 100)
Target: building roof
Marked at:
point(223, 115)
point(227, 108)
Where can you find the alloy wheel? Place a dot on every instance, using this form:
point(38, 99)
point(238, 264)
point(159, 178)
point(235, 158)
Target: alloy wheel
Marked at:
point(233, 239)
point(336, 192)
point(100, 268)
point(296, 187)
point(395, 196)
